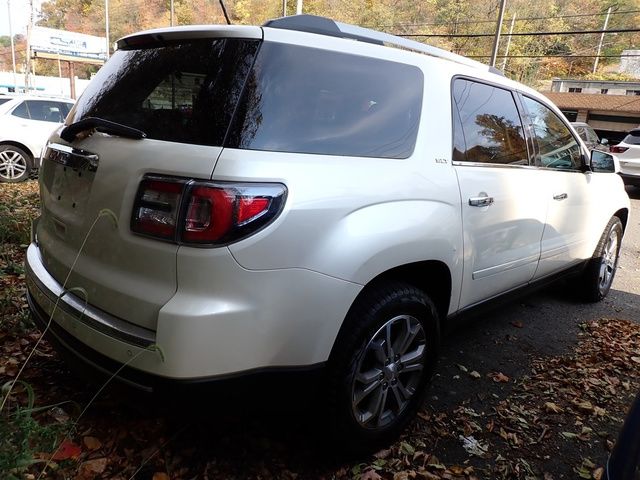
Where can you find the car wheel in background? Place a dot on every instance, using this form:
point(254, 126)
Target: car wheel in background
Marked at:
point(15, 164)
point(381, 364)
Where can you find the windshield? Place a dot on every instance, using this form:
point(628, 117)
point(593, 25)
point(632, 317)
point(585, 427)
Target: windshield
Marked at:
point(184, 92)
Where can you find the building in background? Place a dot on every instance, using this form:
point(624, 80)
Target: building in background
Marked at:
point(610, 115)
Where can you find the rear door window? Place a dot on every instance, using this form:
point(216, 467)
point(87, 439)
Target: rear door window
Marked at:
point(307, 100)
point(487, 125)
point(47, 111)
point(180, 92)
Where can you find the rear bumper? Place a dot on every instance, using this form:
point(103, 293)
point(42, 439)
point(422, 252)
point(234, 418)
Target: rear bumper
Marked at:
point(239, 323)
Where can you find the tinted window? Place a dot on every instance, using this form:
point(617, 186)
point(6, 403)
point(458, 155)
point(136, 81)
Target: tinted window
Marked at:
point(307, 100)
point(184, 92)
point(47, 111)
point(4, 100)
point(557, 148)
point(21, 111)
point(632, 139)
point(489, 124)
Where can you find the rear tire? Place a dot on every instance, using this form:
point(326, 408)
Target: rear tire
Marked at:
point(597, 278)
point(15, 164)
point(381, 365)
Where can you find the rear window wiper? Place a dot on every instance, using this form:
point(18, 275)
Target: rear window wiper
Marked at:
point(70, 132)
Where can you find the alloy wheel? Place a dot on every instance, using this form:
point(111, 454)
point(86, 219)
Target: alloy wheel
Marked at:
point(608, 261)
point(388, 372)
point(13, 165)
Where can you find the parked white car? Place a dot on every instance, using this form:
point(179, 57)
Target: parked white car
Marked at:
point(628, 153)
point(26, 122)
point(285, 199)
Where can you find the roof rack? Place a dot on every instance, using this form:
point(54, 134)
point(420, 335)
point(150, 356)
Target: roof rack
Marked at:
point(326, 26)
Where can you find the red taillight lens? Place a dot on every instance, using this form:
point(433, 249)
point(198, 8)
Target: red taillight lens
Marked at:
point(204, 213)
point(250, 208)
point(157, 208)
point(617, 149)
point(209, 214)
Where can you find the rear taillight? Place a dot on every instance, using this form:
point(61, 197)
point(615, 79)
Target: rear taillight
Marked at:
point(618, 149)
point(204, 213)
point(157, 208)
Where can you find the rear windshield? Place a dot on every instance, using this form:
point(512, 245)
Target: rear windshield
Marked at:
point(632, 139)
point(184, 92)
point(296, 99)
point(307, 100)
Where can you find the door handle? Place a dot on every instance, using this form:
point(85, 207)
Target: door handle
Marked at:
point(561, 196)
point(480, 201)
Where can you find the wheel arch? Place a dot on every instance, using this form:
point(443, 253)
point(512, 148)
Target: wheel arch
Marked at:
point(19, 145)
point(623, 215)
point(433, 277)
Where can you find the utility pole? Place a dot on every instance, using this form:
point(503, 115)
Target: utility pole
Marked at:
point(106, 25)
point(299, 7)
point(506, 53)
point(13, 48)
point(171, 14)
point(284, 8)
point(27, 77)
point(496, 40)
point(606, 22)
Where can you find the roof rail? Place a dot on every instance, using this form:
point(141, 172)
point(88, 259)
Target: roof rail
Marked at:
point(326, 26)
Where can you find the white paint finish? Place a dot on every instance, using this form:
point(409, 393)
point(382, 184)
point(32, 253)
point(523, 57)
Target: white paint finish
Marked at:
point(33, 134)
point(278, 298)
point(501, 241)
point(125, 274)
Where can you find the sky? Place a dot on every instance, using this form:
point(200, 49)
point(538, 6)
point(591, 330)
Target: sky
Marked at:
point(19, 15)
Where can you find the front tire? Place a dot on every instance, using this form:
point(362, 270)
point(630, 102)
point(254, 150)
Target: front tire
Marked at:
point(381, 365)
point(598, 276)
point(15, 164)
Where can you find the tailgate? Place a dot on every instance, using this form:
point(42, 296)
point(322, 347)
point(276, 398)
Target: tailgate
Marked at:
point(182, 96)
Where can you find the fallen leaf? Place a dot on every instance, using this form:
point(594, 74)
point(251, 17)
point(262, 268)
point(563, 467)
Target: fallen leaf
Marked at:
point(67, 450)
point(382, 454)
point(406, 448)
point(498, 377)
point(598, 473)
point(90, 468)
point(160, 476)
point(475, 374)
point(517, 324)
point(370, 475)
point(92, 443)
point(551, 407)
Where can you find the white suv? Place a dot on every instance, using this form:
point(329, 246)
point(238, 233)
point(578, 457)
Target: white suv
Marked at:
point(26, 121)
point(299, 196)
point(628, 153)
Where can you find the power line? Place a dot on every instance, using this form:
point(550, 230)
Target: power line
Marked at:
point(552, 56)
point(523, 19)
point(519, 34)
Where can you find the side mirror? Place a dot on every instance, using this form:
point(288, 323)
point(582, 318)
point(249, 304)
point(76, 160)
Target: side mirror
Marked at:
point(604, 141)
point(603, 162)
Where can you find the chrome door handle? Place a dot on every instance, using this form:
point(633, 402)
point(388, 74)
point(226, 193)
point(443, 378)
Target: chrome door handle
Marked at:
point(480, 201)
point(561, 196)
